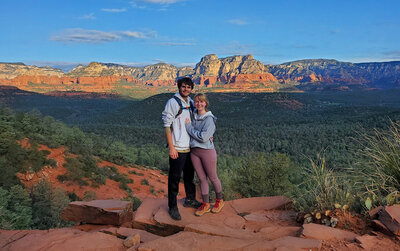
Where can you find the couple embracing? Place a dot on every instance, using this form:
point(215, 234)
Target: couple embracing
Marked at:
point(189, 128)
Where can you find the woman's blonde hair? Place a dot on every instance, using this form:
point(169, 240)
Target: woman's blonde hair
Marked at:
point(202, 97)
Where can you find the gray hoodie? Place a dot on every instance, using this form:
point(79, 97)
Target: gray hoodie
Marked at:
point(201, 130)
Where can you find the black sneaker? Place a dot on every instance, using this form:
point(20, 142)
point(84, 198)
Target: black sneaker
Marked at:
point(191, 203)
point(174, 213)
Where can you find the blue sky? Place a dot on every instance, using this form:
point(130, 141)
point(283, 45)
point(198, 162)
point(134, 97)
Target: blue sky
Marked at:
point(180, 32)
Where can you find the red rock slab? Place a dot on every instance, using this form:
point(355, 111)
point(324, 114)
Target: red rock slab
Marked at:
point(285, 243)
point(288, 249)
point(267, 218)
point(367, 241)
point(227, 217)
point(223, 231)
point(296, 243)
point(272, 216)
point(184, 241)
point(144, 217)
point(105, 212)
point(373, 213)
point(377, 225)
point(249, 205)
point(9, 236)
point(91, 227)
point(90, 241)
point(256, 216)
point(64, 239)
point(390, 217)
point(321, 232)
point(275, 232)
point(37, 239)
point(124, 232)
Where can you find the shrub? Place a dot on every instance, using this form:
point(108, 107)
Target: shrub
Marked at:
point(15, 208)
point(89, 195)
point(47, 204)
point(144, 182)
point(324, 189)
point(263, 175)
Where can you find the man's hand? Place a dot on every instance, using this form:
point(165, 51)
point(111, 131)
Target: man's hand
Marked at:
point(173, 153)
point(187, 121)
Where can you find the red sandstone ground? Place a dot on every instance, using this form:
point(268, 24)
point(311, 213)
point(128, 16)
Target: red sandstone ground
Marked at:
point(157, 187)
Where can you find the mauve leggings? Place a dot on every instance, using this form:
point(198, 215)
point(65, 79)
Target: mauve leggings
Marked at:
point(205, 164)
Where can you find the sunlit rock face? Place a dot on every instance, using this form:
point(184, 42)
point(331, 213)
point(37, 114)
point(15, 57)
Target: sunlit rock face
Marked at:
point(241, 73)
point(12, 70)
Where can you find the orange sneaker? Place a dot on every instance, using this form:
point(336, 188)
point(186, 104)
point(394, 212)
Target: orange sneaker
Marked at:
point(219, 204)
point(204, 208)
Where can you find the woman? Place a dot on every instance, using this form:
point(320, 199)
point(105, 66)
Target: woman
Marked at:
point(203, 154)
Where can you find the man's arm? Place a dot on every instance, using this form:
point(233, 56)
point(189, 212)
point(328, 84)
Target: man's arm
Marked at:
point(172, 151)
point(168, 116)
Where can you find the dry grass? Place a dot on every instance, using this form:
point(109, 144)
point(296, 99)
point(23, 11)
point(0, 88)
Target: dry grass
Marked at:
point(379, 175)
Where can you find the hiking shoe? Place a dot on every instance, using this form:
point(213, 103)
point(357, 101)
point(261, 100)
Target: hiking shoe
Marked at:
point(219, 204)
point(204, 208)
point(174, 213)
point(192, 203)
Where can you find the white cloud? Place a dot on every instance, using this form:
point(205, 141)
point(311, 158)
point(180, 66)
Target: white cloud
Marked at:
point(238, 21)
point(392, 54)
point(114, 10)
point(134, 34)
point(143, 4)
point(88, 16)
point(79, 35)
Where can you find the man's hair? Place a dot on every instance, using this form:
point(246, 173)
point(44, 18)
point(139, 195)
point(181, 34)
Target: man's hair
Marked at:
point(186, 81)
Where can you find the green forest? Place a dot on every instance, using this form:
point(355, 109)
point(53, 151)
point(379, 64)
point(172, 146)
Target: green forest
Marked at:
point(318, 148)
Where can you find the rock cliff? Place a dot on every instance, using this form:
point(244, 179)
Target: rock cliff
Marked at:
point(236, 69)
point(235, 73)
point(323, 71)
point(12, 70)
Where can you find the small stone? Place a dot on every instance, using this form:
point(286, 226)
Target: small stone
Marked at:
point(326, 222)
point(132, 241)
point(334, 222)
point(308, 219)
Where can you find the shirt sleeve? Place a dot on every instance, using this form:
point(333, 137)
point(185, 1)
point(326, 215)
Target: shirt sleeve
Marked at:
point(205, 133)
point(169, 113)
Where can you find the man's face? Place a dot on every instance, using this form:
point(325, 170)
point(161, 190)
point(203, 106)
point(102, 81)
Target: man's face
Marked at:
point(185, 90)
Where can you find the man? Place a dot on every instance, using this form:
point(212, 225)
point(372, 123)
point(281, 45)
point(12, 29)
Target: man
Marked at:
point(174, 115)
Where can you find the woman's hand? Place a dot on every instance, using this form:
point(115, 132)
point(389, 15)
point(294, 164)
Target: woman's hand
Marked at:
point(187, 121)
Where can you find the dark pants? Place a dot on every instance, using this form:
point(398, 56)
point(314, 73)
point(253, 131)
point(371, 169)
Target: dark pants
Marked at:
point(176, 166)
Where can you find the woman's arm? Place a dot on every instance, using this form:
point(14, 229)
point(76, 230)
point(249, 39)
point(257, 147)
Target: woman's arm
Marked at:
point(206, 132)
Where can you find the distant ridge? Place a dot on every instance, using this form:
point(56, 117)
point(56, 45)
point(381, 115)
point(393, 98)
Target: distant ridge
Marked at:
point(234, 73)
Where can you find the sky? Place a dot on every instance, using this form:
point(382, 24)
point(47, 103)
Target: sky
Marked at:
point(180, 32)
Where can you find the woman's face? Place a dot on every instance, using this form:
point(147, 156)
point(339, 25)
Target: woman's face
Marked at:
point(199, 104)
